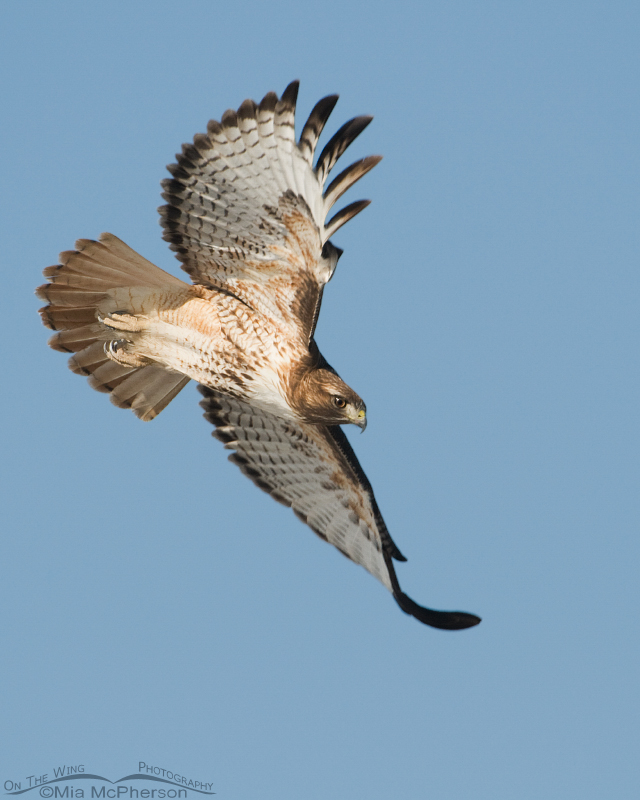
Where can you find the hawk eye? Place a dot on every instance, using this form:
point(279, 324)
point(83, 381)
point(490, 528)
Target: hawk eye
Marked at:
point(339, 402)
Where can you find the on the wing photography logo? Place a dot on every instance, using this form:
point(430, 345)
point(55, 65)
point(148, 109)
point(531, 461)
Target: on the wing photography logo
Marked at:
point(75, 782)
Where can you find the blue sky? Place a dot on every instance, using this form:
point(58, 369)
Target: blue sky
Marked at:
point(155, 605)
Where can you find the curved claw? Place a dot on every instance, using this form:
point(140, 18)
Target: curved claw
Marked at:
point(116, 350)
point(114, 345)
point(120, 320)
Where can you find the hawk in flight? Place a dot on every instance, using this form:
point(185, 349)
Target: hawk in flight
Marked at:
point(245, 214)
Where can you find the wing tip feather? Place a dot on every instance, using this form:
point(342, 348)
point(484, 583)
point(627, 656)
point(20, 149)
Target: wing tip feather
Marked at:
point(443, 620)
point(268, 103)
point(343, 216)
point(247, 110)
point(314, 126)
point(290, 95)
point(338, 143)
point(345, 180)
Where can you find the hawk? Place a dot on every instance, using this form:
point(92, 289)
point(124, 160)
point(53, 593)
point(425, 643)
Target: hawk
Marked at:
point(245, 214)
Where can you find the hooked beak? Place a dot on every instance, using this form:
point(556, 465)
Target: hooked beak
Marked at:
point(361, 419)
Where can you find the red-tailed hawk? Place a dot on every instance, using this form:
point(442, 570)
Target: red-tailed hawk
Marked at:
point(245, 214)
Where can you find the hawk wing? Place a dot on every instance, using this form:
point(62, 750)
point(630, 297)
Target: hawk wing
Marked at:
point(314, 470)
point(246, 208)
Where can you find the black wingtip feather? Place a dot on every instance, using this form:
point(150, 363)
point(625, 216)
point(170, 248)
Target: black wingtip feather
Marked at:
point(229, 119)
point(269, 102)
point(247, 110)
point(314, 126)
point(348, 177)
point(444, 620)
point(343, 216)
point(338, 143)
point(290, 95)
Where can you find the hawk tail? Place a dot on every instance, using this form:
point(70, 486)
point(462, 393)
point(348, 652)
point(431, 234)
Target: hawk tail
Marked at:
point(75, 288)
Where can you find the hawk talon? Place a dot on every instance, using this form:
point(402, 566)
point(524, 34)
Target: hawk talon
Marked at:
point(120, 320)
point(116, 351)
point(117, 344)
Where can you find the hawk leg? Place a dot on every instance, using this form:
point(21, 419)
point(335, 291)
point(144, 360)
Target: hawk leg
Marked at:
point(121, 321)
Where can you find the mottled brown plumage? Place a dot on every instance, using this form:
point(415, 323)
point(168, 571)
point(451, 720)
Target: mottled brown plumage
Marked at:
point(245, 215)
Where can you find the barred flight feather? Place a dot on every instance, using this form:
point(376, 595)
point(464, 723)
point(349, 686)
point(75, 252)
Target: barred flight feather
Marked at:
point(228, 192)
point(341, 511)
point(315, 125)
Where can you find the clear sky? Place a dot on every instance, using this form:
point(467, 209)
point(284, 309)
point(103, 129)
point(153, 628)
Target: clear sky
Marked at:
point(158, 607)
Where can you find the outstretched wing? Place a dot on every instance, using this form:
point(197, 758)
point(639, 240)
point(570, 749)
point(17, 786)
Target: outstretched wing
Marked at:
point(246, 208)
point(314, 470)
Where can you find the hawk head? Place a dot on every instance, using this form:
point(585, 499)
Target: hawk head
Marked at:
point(323, 398)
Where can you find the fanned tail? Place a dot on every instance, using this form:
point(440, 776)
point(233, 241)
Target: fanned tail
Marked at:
point(76, 287)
